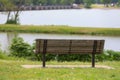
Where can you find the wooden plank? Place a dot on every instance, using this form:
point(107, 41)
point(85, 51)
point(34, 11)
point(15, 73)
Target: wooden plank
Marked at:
point(56, 46)
point(69, 46)
point(37, 48)
point(101, 46)
point(58, 43)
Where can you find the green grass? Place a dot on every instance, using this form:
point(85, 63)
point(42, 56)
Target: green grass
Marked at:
point(100, 6)
point(60, 30)
point(12, 70)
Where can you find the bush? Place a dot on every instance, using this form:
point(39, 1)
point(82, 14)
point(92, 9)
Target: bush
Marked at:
point(74, 57)
point(108, 55)
point(3, 54)
point(20, 49)
point(11, 22)
point(114, 55)
point(88, 3)
point(49, 57)
point(118, 4)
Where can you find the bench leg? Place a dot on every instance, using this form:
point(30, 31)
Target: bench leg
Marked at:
point(93, 53)
point(43, 59)
point(44, 52)
point(93, 60)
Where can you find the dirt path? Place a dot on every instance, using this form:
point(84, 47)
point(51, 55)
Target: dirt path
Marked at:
point(67, 66)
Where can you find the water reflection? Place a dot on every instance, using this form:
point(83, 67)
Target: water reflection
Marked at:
point(111, 43)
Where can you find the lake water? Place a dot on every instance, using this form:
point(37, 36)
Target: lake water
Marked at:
point(74, 17)
point(111, 43)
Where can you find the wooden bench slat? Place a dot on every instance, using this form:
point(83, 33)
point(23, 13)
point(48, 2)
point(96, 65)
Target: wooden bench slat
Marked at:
point(69, 46)
point(54, 46)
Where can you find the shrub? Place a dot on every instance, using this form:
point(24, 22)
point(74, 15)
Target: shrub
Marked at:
point(3, 54)
point(114, 55)
point(11, 22)
point(74, 57)
point(49, 57)
point(87, 3)
point(118, 4)
point(20, 49)
point(108, 55)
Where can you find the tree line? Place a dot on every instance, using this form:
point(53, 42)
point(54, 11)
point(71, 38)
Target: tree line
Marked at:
point(58, 2)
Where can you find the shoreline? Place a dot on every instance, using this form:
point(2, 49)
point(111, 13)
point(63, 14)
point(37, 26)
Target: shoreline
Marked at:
point(55, 29)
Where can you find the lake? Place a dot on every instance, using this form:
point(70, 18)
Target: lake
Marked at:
point(111, 43)
point(109, 18)
point(75, 17)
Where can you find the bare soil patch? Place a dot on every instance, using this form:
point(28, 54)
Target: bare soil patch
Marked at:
point(66, 66)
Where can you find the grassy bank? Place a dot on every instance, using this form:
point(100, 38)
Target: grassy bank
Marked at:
point(12, 70)
point(101, 6)
point(60, 30)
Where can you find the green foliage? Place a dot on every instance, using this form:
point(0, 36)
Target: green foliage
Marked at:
point(2, 56)
point(11, 21)
point(114, 55)
point(87, 3)
point(48, 2)
point(74, 57)
point(14, 19)
point(6, 4)
point(20, 49)
point(118, 4)
point(108, 55)
point(49, 57)
point(9, 6)
point(106, 2)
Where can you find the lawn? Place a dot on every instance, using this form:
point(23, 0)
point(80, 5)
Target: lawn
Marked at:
point(12, 70)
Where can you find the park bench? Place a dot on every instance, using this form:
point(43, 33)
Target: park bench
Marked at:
point(67, 46)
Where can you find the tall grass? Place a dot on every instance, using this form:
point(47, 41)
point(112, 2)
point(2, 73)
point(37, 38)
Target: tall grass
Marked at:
point(60, 30)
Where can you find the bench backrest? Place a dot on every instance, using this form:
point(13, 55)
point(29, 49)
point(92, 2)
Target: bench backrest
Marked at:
point(57, 46)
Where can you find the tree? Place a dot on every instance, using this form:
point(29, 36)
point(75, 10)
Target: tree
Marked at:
point(118, 4)
point(7, 6)
point(11, 6)
point(17, 9)
point(106, 2)
point(87, 3)
point(78, 1)
point(69, 2)
point(58, 2)
point(28, 2)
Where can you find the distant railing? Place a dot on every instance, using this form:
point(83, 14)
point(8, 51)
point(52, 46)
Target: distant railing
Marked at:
point(50, 7)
